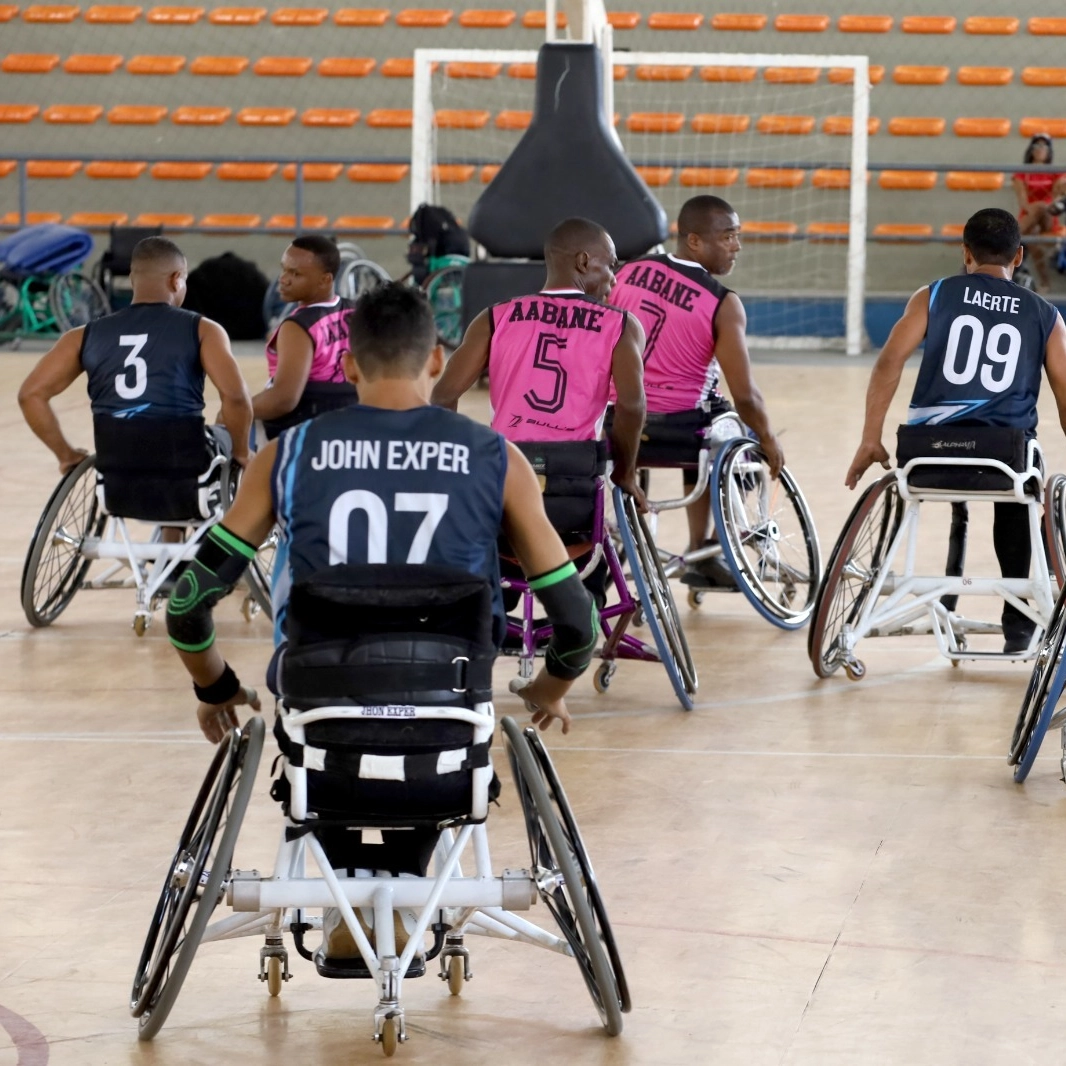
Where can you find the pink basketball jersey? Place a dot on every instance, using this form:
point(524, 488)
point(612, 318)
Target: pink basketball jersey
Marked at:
point(676, 302)
point(327, 326)
point(550, 365)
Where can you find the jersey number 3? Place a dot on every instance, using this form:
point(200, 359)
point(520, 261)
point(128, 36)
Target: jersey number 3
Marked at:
point(432, 504)
point(135, 342)
point(993, 350)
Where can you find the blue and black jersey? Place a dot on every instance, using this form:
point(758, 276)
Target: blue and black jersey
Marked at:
point(984, 354)
point(144, 361)
point(366, 485)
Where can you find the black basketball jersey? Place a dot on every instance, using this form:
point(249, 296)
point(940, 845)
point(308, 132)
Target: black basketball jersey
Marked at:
point(365, 485)
point(984, 353)
point(144, 361)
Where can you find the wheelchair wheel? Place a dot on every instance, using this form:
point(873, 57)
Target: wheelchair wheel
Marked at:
point(850, 573)
point(656, 598)
point(1055, 526)
point(260, 573)
point(564, 874)
point(54, 567)
point(361, 275)
point(1044, 691)
point(76, 300)
point(195, 882)
point(444, 290)
point(767, 534)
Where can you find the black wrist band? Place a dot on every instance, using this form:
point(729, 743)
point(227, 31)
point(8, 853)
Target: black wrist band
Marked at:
point(220, 691)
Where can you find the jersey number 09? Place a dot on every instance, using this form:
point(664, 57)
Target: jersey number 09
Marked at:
point(134, 341)
point(993, 350)
point(432, 504)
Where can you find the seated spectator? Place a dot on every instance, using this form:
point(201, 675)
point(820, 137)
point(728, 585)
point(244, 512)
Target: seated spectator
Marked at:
point(1035, 194)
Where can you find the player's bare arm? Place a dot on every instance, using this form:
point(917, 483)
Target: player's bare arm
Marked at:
point(731, 350)
point(627, 372)
point(220, 366)
point(905, 337)
point(466, 365)
point(296, 352)
point(1055, 367)
point(56, 371)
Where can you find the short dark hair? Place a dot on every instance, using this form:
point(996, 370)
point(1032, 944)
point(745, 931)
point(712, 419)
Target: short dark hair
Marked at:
point(573, 235)
point(155, 253)
point(695, 214)
point(993, 236)
point(324, 249)
point(391, 332)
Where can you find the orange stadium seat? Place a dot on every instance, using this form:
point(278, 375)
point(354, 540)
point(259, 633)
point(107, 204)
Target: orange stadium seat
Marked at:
point(200, 116)
point(398, 68)
point(514, 120)
point(1044, 76)
point(175, 16)
point(33, 218)
point(225, 221)
point(98, 219)
point(903, 126)
point(623, 20)
point(785, 124)
point(663, 72)
point(378, 172)
point(831, 178)
point(702, 177)
point(361, 16)
point(656, 176)
point(7, 166)
point(904, 232)
point(911, 75)
point(981, 127)
point(791, 75)
point(801, 23)
point(424, 18)
point(846, 76)
point(828, 231)
point(344, 67)
point(655, 122)
point(180, 171)
point(136, 114)
point(775, 177)
point(712, 123)
point(246, 171)
point(300, 16)
point(1002, 26)
point(908, 180)
point(330, 116)
point(487, 19)
point(92, 64)
point(289, 222)
point(51, 13)
point(488, 172)
point(743, 23)
point(864, 23)
point(237, 16)
point(730, 74)
point(389, 118)
point(973, 181)
point(767, 231)
point(1054, 127)
point(675, 20)
point(840, 125)
point(29, 63)
point(453, 173)
point(155, 64)
point(473, 70)
point(1047, 27)
point(114, 171)
point(526, 71)
point(113, 14)
point(19, 113)
point(984, 75)
point(282, 66)
point(952, 229)
point(538, 20)
point(266, 116)
point(168, 220)
point(364, 222)
point(219, 66)
point(314, 171)
point(52, 168)
point(72, 114)
point(8, 12)
point(928, 24)
point(459, 119)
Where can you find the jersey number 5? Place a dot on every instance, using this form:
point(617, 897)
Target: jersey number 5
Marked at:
point(1008, 359)
point(543, 360)
point(134, 341)
point(432, 504)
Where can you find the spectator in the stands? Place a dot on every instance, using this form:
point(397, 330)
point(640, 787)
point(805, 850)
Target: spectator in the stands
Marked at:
point(1036, 193)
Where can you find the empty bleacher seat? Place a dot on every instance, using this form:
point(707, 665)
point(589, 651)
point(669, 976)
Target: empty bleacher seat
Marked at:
point(775, 177)
point(180, 171)
point(828, 231)
point(841, 125)
point(335, 117)
point(288, 222)
point(19, 113)
point(904, 232)
point(663, 72)
point(623, 20)
point(72, 114)
point(675, 20)
point(378, 172)
point(711, 177)
point(1047, 27)
point(453, 173)
point(996, 25)
point(230, 221)
point(166, 219)
point(8, 12)
point(952, 229)
point(488, 172)
point(188, 115)
point(785, 124)
point(398, 67)
point(359, 222)
point(981, 127)
point(92, 64)
point(175, 16)
point(1053, 77)
point(656, 176)
point(7, 166)
point(98, 219)
point(745, 23)
point(973, 181)
point(730, 74)
point(389, 118)
point(1054, 127)
point(846, 75)
point(513, 120)
point(864, 23)
point(314, 171)
point(237, 16)
point(424, 18)
point(300, 16)
point(752, 230)
point(655, 122)
point(831, 178)
point(712, 123)
point(525, 71)
point(29, 63)
point(473, 70)
point(112, 170)
point(984, 75)
point(33, 218)
point(266, 116)
point(282, 66)
point(461, 119)
point(136, 114)
point(162, 65)
point(909, 180)
point(345, 67)
point(915, 75)
point(113, 14)
point(246, 171)
point(916, 126)
point(538, 20)
point(791, 75)
point(928, 24)
point(487, 19)
point(801, 23)
point(361, 16)
point(51, 13)
point(53, 168)
point(219, 66)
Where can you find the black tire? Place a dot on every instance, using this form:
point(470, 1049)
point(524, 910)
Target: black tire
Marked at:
point(260, 573)
point(565, 884)
point(194, 884)
point(444, 290)
point(54, 567)
point(361, 275)
point(76, 300)
point(767, 534)
point(853, 566)
point(656, 598)
point(1055, 526)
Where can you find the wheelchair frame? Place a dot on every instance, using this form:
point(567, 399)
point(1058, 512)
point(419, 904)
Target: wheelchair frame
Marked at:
point(200, 876)
point(884, 522)
point(48, 303)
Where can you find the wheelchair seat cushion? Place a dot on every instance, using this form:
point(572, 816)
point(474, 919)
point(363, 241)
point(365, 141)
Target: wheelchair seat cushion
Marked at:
point(1001, 443)
point(569, 473)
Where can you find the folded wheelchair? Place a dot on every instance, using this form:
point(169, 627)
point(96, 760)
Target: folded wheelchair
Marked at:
point(168, 473)
point(385, 723)
point(872, 584)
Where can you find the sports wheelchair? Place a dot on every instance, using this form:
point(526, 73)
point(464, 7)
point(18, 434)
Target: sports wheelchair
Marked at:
point(385, 723)
point(765, 532)
point(871, 586)
point(168, 472)
point(573, 480)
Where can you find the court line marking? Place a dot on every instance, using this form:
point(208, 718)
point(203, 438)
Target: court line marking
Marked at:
point(29, 1041)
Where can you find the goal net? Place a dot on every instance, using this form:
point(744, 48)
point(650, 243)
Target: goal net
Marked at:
point(781, 137)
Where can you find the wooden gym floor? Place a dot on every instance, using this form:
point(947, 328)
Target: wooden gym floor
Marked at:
point(799, 872)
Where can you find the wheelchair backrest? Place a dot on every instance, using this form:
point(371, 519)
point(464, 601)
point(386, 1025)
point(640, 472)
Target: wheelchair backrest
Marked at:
point(117, 257)
point(569, 473)
point(947, 457)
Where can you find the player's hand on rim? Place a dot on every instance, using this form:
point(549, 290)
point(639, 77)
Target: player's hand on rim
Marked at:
point(542, 703)
point(217, 719)
point(630, 486)
point(869, 452)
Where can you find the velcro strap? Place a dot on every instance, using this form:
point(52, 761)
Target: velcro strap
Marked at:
point(370, 766)
point(352, 681)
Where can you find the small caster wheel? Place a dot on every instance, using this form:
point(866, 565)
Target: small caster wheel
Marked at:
point(601, 680)
point(140, 624)
point(456, 974)
point(955, 664)
point(638, 617)
point(274, 977)
point(695, 598)
point(249, 608)
point(855, 669)
point(390, 1036)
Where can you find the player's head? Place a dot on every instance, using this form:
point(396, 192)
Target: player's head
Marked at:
point(1040, 149)
point(991, 238)
point(580, 254)
point(158, 272)
point(393, 337)
point(708, 233)
point(309, 267)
